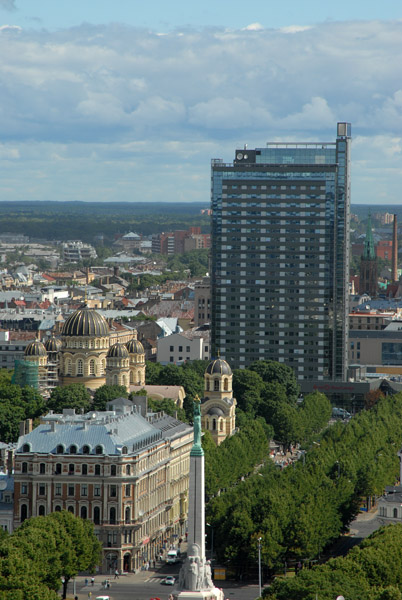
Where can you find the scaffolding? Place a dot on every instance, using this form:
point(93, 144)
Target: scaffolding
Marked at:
point(26, 373)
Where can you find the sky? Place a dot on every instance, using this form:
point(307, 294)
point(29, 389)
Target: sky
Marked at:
point(122, 100)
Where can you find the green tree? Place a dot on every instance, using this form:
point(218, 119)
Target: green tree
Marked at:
point(274, 372)
point(106, 393)
point(74, 395)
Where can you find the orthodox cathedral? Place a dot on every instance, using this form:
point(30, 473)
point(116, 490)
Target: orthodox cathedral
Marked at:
point(89, 351)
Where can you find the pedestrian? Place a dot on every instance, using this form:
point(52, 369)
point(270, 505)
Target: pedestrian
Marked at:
point(116, 574)
point(92, 581)
point(86, 581)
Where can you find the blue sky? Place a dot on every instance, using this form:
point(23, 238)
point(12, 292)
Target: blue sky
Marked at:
point(164, 15)
point(129, 101)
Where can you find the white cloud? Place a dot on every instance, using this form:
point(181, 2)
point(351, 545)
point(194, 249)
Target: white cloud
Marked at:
point(91, 96)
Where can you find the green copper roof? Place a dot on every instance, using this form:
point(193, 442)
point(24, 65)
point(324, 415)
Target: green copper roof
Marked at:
point(369, 251)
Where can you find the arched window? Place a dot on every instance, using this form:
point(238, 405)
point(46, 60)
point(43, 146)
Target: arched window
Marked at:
point(96, 343)
point(221, 425)
point(207, 385)
point(395, 513)
point(42, 468)
point(24, 512)
point(92, 367)
point(112, 516)
point(80, 367)
point(84, 512)
point(96, 515)
point(99, 450)
point(131, 377)
point(71, 469)
point(60, 449)
point(84, 469)
point(113, 470)
point(216, 385)
point(97, 470)
point(58, 469)
point(41, 511)
point(71, 509)
point(69, 370)
point(214, 424)
point(127, 515)
point(73, 449)
point(226, 384)
point(128, 470)
point(26, 448)
point(57, 508)
point(86, 449)
point(124, 450)
point(24, 467)
point(103, 365)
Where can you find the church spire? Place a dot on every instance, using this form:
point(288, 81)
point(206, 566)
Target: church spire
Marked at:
point(369, 250)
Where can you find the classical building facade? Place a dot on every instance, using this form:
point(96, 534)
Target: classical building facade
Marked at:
point(218, 407)
point(126, 470)
point(90, 351)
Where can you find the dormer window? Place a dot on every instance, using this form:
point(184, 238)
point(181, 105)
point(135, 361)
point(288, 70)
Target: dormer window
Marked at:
point(26, 448)
point(60, 449)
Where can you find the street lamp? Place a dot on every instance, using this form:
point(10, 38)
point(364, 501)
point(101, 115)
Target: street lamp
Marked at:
point(259, 565)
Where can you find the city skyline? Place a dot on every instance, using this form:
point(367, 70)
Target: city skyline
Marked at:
point(107, 102)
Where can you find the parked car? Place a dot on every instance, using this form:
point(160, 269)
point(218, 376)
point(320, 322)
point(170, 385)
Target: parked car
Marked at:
point(169, 580)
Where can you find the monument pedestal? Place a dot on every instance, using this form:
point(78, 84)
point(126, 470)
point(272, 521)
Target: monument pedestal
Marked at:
point(211, 594)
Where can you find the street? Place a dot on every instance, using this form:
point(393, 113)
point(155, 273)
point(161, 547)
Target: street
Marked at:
point(148, 584)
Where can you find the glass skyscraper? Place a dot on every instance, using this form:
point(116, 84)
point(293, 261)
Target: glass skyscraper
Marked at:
point(280, 256)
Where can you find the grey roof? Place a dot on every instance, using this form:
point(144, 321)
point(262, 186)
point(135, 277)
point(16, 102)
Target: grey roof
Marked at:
point(109, 429)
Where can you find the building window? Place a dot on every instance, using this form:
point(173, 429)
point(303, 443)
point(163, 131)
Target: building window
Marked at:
point(395, 513)
point(112, 516)
point(24, 488)
point(71, 509)
point(113, 491)
point(216, 385)
point(42, 468)
point(84, 512)
point(127, 515)
point(57, 508)
point(92, 367)
point(171, 348)
point(85, 449)
point(41, 511)
point(180, 348)
point(71, 490)
point(71, 469)
point(187, 348)
point(113, 470)
point(226, 385)
point(84, 469)
point(26, 448)
point(58, 469)
point(97, 470)
point(25, 467)
point(57, 489)
point(128, 490)
point(73, 449)
point(24, 512)
point(84, 490)
point(128, 470)
point(60, 449)
point(42, 490)
point(97, 490)
point(96, 515)
point(99, 449)
point(80, 367)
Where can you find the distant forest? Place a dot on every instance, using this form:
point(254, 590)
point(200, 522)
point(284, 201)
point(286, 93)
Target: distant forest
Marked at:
point(86, 220)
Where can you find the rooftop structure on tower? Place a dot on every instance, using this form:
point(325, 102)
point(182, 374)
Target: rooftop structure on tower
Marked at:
point(368, 265)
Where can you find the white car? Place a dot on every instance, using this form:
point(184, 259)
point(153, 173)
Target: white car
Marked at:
point(169, 580)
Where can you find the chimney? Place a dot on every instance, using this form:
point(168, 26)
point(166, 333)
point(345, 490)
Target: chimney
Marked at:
point(116, 271)
point(395, 251)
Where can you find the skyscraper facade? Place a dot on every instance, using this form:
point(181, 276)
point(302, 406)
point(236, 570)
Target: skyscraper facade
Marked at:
point(280, 256)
